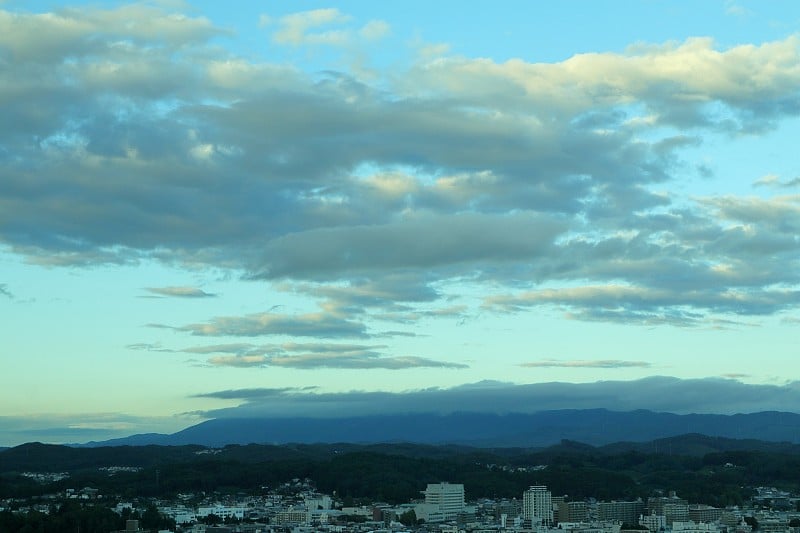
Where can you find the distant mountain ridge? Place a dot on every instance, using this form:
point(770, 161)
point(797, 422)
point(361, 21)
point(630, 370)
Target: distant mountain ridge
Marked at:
point(52, 457)
point(596, 427)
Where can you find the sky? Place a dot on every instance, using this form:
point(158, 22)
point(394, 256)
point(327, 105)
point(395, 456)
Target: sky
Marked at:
point(323, 209)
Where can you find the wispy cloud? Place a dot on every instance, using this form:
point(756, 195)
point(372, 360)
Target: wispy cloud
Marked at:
point(313, 356)
point(341, 361)
point(773, 180)
point(735, 9)
point(180, 292)
point(586, 363)
point(148, 347)
point(323, 325)
point(252, 394)
point(4, 291)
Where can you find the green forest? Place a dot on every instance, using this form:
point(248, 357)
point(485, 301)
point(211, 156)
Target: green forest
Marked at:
point(397, 473)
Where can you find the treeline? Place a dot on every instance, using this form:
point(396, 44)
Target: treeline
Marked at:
point(718, 478)
point(74, 516)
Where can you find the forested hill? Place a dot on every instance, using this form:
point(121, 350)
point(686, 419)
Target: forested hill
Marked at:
point(701, 469)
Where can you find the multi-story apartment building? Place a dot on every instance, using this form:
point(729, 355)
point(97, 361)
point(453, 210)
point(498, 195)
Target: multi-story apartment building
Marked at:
point(621, 511)
point(537, 506)
point(573, 511)
point(704, 513)
point(448, 497)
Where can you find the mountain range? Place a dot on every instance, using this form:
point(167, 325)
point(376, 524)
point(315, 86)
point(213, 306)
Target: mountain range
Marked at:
point(595, 427)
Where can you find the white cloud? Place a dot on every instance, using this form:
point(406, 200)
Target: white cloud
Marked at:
point(374, 30)
point(180, 292)
point(296, 29)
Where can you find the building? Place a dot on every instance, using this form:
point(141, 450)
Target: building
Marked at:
point(676, 512)
point(653, 522)
point(655, 505)
point(448, 498)
point(573, 511)
point(704, 513)
point(537, 506)
point(694, 527)
point(625, 512)
point(222, 511)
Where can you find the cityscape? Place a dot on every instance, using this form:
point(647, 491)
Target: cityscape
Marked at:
point(297, 507)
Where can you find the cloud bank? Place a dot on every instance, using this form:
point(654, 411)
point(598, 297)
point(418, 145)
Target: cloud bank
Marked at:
point(134, 136)
point(661, 394)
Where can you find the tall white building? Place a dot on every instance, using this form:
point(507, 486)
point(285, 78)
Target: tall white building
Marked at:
point(537, 506)
point(449, 497)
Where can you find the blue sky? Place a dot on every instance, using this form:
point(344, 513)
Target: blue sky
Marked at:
point(303, 208)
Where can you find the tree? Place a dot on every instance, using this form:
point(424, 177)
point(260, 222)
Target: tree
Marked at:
point(151, 518)
point(212, 520)
point(751, 521)
point(409, 518)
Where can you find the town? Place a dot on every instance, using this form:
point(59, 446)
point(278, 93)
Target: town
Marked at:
point(297, 507)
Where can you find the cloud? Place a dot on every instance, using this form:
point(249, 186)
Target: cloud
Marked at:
point(314, 355)
point(376, 194)
point(662, 394)
point(295, 29)
point(648, 305)
point(422, 242)
point(251, 394)
point(584, 363)
point(736, 10)
point(304, 325)
point(773, 180)
point(4, 291)
point(84, 427)
point(374, 30)
point(148, 347)
point(340, 361)
point(180, 292)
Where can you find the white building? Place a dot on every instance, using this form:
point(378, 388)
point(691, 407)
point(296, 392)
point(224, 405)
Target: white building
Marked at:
point(447, 497)
point(653, 522)
point(694, 527)
point(537, 506)
point(222, 511)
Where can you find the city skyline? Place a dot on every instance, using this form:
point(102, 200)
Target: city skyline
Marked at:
point(304, 207)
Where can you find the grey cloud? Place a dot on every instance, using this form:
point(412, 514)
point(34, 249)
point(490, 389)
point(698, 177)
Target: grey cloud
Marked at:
point(781, 213)
point(586, 363)
point(387, 291)
point(664, 394)
point(252, 394)
point(371, 194)
point(649, 305)
point(422, 242)
point(237, 348)
point(180, 292)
